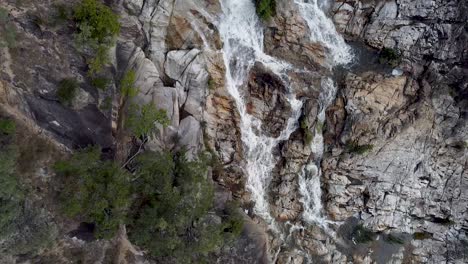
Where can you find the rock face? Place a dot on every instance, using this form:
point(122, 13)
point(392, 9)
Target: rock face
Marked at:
point(397, 158)
point(396, 145)
point(422, 30)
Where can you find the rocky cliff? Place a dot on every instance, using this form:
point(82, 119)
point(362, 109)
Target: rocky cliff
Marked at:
point(392, 181)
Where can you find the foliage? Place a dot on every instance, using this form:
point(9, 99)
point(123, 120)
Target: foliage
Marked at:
point(362, 234)
point(98, 27)
point(66, 91)
point(127, 84)
point(100, 59)
point(142, 120)
point(308, 135)
point(211, 84)
point(100, 83)
point(7, 30)
point(33, 230)
point(62, 12)
point(11, 196)
point(422, 235)
point(97, 190)
point(233, 220)
point(106, 104)
point(354, 147)
point(7, 126)
point(101, 20)
point(390, 56)
point(394, 239)
point(171, 217)
point(265, 8)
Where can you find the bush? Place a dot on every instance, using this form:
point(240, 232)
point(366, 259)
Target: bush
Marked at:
point(127, 84)
point(354, 147)
point(100, 83)
point(142, 120)
point(308, 135)
point(171, 219)
point(11, 195)
point(394, 239)
point(7, 30)
point(102, 22)
point(98, 27)
point(7, 126)
point(66, 91)
point(233, 220)
point(362, 234)
point(390, 56)
point(422, 235)
point(265, 8)
point(211, 84)
point(97, 190)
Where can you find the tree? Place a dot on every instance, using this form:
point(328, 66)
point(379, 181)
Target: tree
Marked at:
point(98, 27)
point(171, 216)
point(178, 197)
point(95, 189)
point(142, 120)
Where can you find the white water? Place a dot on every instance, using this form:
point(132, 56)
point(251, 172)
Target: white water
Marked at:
point(309, 180)
point(242, 34)
point(323, 30)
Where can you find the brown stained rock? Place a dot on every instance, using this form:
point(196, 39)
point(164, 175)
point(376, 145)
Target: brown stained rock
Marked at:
point(267, 100)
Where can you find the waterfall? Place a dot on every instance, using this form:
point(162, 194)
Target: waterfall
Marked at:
point(309, 180)
point(323, 30)
point(242, 34)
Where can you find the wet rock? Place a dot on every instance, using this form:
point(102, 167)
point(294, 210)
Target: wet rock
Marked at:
point(267, 100)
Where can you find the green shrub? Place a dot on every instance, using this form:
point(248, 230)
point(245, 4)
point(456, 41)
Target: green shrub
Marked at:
point(265, 8)
point(308, 135)
point(211, 84)
point(62, 12)
point(11, 195)
point(7, 126)
point(354, 147)
point(98, 27)
point(66, 91)
point(422, 235)
point(127, 84)
point(100, 59)
point(390, 56)
point(362, 234)
point(141, 120)
point(394, 239)
point(103, 22)
point(100, 83)
point(174, 200)
point(233, 220)
point(95, 189)
point(7, 30)
point(106, 104)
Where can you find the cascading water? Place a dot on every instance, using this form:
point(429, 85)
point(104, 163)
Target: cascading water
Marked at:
point(242, 34)
point(323, 30)
point(309, 181)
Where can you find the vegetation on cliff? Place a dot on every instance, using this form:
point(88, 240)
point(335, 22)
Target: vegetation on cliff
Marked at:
point(97, 26)
point(265, 8)
point(24, 229)
point(165, 203)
